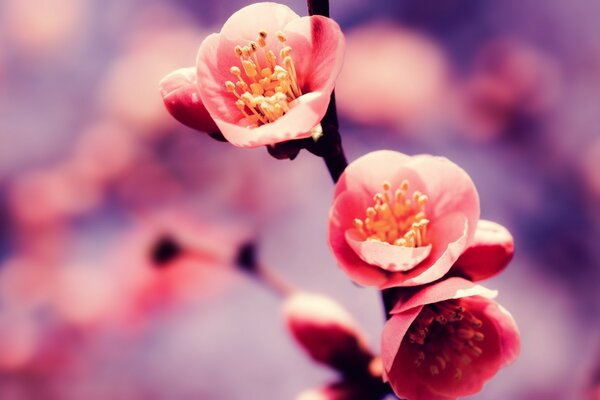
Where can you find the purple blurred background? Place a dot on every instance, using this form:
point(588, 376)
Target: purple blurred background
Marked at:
point(93, 172)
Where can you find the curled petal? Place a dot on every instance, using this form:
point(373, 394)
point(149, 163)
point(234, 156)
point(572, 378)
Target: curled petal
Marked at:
point(386, 256)
point(179, 90)
point(489, 253)
point(451, 288)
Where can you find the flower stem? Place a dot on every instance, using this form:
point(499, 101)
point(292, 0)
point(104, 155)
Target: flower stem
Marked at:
point(330, 144)
point(333, 155)
point(274, 281)
point(388, 297)
point(247, 262)
point(318, 7)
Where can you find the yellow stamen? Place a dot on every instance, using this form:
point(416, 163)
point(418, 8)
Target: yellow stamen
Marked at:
point(444, 335)
point(397, 219)
point(267, 89)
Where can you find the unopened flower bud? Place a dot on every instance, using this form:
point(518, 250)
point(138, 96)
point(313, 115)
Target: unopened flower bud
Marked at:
point(327, 332)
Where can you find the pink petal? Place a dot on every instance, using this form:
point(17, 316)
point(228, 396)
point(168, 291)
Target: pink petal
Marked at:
point(491, 251)
point(449, 239)
point(407, 383)
point(384, 255)
point(318, 59)
point(343, 212)
point(244, 25)
point(367, 173)
point(451, 288)
point(449, 188)
point(305, 114)
point(214, 60)
point(510, 341)
point(393, 333)
point(179, 90)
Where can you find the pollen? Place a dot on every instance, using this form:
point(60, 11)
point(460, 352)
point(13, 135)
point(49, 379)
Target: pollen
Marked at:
point(396, 218)
point(446, 337)
point(266, 80)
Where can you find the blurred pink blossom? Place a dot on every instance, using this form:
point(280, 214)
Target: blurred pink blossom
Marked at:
point(510, 79)
point(26, 283)
point(446, 341)
point(147, 182)
point(420, 213)
point(103, 151)
point(128, 93)
point(298, 60)
point(327, 332)
point(49, 196)
point(86, 296)
point(35, 34)
point(392, 76)
point(174, 256)
point(19, 340)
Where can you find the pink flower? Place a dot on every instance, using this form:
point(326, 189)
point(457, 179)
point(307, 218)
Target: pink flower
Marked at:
point(267, 76)
point(446, 341)
point(327, 332)
point(399, 220)
point(510, 80)
point(180, 93)
point(489, 253)
point(127, 93)
point(19, 340)
point(175, 256)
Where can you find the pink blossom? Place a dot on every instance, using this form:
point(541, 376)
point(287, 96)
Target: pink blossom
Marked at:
point(85, 296)
point(327, 332)
point(267, 76)
point(446, 341)
point(49, 196)
point(19, 340)
point(104, 150)
point(174, 256)
point(35, 35)
point(179, 90)
point(399, 220)
point(489, 253)
point(510, 79)
point(128, 91)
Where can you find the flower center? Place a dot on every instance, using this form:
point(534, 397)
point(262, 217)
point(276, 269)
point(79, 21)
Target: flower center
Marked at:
point(265, 83)
point(446, 335)
point(397, 219)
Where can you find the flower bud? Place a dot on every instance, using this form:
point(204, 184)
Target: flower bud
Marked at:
point(489, 253)
point(179, 90)
point(327, 332)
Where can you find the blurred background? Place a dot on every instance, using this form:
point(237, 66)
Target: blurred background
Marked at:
point(97, 183)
